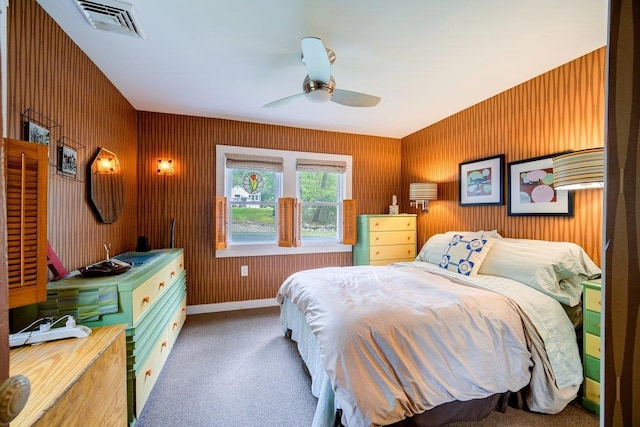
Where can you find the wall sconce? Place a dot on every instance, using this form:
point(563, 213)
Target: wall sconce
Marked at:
point(579, 170)
point(165, 167)
point(106, 162)
point(421, 192)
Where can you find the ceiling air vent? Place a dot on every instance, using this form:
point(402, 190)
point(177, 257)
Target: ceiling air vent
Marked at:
point(111, 15)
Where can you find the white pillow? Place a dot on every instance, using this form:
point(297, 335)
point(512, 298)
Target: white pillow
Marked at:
point(555, 268)
point(465, 254)
point(435, 246)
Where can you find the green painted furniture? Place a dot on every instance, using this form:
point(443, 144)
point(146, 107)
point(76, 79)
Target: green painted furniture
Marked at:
point(151, 300)
point(592, 302)
point(383, 239)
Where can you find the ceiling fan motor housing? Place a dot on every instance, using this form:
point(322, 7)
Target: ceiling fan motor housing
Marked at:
point(318, 91)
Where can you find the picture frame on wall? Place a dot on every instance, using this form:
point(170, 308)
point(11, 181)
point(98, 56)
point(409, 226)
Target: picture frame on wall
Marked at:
point(481, 182)
point(531, 191)
point(67, 160)
point(36, 132)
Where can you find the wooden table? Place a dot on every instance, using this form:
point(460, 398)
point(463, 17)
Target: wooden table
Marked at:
point(75, 381)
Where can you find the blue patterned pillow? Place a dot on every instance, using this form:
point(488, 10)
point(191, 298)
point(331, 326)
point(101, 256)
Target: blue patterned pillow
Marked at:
point(465, 254)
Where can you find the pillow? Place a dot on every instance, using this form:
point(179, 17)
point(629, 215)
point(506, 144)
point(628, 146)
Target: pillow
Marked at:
point(465, 254)
point(435, 246)
point(555, 268)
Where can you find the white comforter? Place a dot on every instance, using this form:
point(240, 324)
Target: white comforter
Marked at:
point(398, 340)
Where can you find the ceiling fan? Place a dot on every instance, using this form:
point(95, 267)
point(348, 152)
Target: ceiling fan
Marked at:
point(319, 85)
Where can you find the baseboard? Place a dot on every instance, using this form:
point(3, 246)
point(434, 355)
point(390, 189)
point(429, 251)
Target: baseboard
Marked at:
point(232, 305)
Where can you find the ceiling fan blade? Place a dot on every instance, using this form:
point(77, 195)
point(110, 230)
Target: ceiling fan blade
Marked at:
point(284, 101)
point(315, 58)
point(354, 99)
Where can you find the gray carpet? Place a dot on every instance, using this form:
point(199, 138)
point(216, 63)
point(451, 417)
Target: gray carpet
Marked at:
point(236, 369)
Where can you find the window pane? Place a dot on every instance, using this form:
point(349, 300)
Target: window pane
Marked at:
point(318, 186)
point(252, 223)
point(319, 223)
point(252, 185)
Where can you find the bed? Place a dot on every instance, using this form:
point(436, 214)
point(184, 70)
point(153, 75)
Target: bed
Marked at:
point(448, 337)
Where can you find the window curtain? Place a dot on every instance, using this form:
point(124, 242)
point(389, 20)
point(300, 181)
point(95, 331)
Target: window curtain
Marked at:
point(246, 161)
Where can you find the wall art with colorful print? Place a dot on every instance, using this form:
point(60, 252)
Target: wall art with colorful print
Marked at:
point(481, 181)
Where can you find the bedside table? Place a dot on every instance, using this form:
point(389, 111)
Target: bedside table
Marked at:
point(383, 239)
point(591, 304)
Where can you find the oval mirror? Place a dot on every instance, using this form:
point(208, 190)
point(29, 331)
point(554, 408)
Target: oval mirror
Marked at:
point(106, 186)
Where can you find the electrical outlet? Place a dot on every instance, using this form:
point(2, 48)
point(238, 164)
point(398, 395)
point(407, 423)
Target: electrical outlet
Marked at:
point(244, 270)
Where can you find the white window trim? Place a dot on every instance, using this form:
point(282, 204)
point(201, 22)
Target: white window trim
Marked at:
point(288, 190)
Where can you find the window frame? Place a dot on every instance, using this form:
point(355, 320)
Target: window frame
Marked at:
point(337, 204)
point(289, 186)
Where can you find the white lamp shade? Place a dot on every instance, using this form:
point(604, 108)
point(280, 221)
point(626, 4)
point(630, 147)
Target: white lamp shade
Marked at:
point(579, 169)
point(423, 191)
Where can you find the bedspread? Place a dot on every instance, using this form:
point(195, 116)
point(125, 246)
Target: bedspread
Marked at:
point(396, 341)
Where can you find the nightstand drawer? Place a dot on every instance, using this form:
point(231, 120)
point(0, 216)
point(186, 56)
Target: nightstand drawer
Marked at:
point(592, 322)
point(592, 300)
point(592, 368)
point(394, 252)
point(391, 223)
point(592, 390)
point(592, 345)
point(392, 237)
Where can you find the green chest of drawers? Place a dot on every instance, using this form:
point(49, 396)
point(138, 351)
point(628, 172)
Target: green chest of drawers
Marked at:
point(592, 303)
point(383, 239)
point(151, 300)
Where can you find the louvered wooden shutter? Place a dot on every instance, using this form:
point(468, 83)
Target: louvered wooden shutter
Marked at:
point(349, 221)
point(26, 181)
point(221, 226)
point(289, 221)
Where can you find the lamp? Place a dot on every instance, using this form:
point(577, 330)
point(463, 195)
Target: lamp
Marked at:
point(579, 170)
point(421, 192)
point(165, 167)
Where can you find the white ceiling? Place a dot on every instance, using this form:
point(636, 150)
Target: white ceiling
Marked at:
point(427, 59)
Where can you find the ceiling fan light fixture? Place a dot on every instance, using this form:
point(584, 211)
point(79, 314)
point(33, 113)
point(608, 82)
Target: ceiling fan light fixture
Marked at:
point(318, 92)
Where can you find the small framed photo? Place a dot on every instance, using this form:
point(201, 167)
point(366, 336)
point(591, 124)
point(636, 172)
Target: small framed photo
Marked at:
point(68, 160)
point(531, 191)
point(35, 132)
point(482, 181)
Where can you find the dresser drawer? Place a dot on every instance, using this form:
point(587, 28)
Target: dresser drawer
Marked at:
point(393, 252)
point(592, 322)
point(592, 390)
point(392, 237)
point(592, 345)
point(143, 296)
point(592, 300)
point(175, 325)
point(592, 368)
point(392, 223)
point(150, 371)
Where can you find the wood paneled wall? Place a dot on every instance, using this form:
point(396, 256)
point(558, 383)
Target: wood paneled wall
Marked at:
point(188, 196)
point(621, 361)
point(560, 110)
point(49, 74)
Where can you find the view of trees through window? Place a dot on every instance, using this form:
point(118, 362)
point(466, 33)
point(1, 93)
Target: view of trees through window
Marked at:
point(253, 212)
point(320, 195)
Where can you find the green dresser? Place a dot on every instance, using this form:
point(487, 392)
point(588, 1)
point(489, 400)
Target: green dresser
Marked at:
point(150, 299)
point(592, 302)
point(383, 239)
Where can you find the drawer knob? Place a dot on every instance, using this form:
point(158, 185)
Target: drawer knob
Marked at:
point(173, 273)
point(160, 285)
point(181, 265)
point(147, 373)
point(175, 325)
point(184, 309)
point(164, 344)
point(145, 300)
point(377, 238)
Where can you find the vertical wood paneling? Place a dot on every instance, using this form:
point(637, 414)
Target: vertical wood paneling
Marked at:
point(558, 111)
point(621, 288)
point(188, 196)
point(48, 73)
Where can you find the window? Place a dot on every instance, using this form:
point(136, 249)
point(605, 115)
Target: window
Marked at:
point(253, 180)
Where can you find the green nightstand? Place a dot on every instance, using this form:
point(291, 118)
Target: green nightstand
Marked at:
point(591, 302)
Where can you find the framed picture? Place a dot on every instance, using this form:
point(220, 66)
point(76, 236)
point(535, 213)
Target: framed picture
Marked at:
point(35, 132)
point(481, 181)
point(531, 191)
point(67, 160)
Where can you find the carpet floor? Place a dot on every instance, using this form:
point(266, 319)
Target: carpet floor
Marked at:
point(236, 369)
